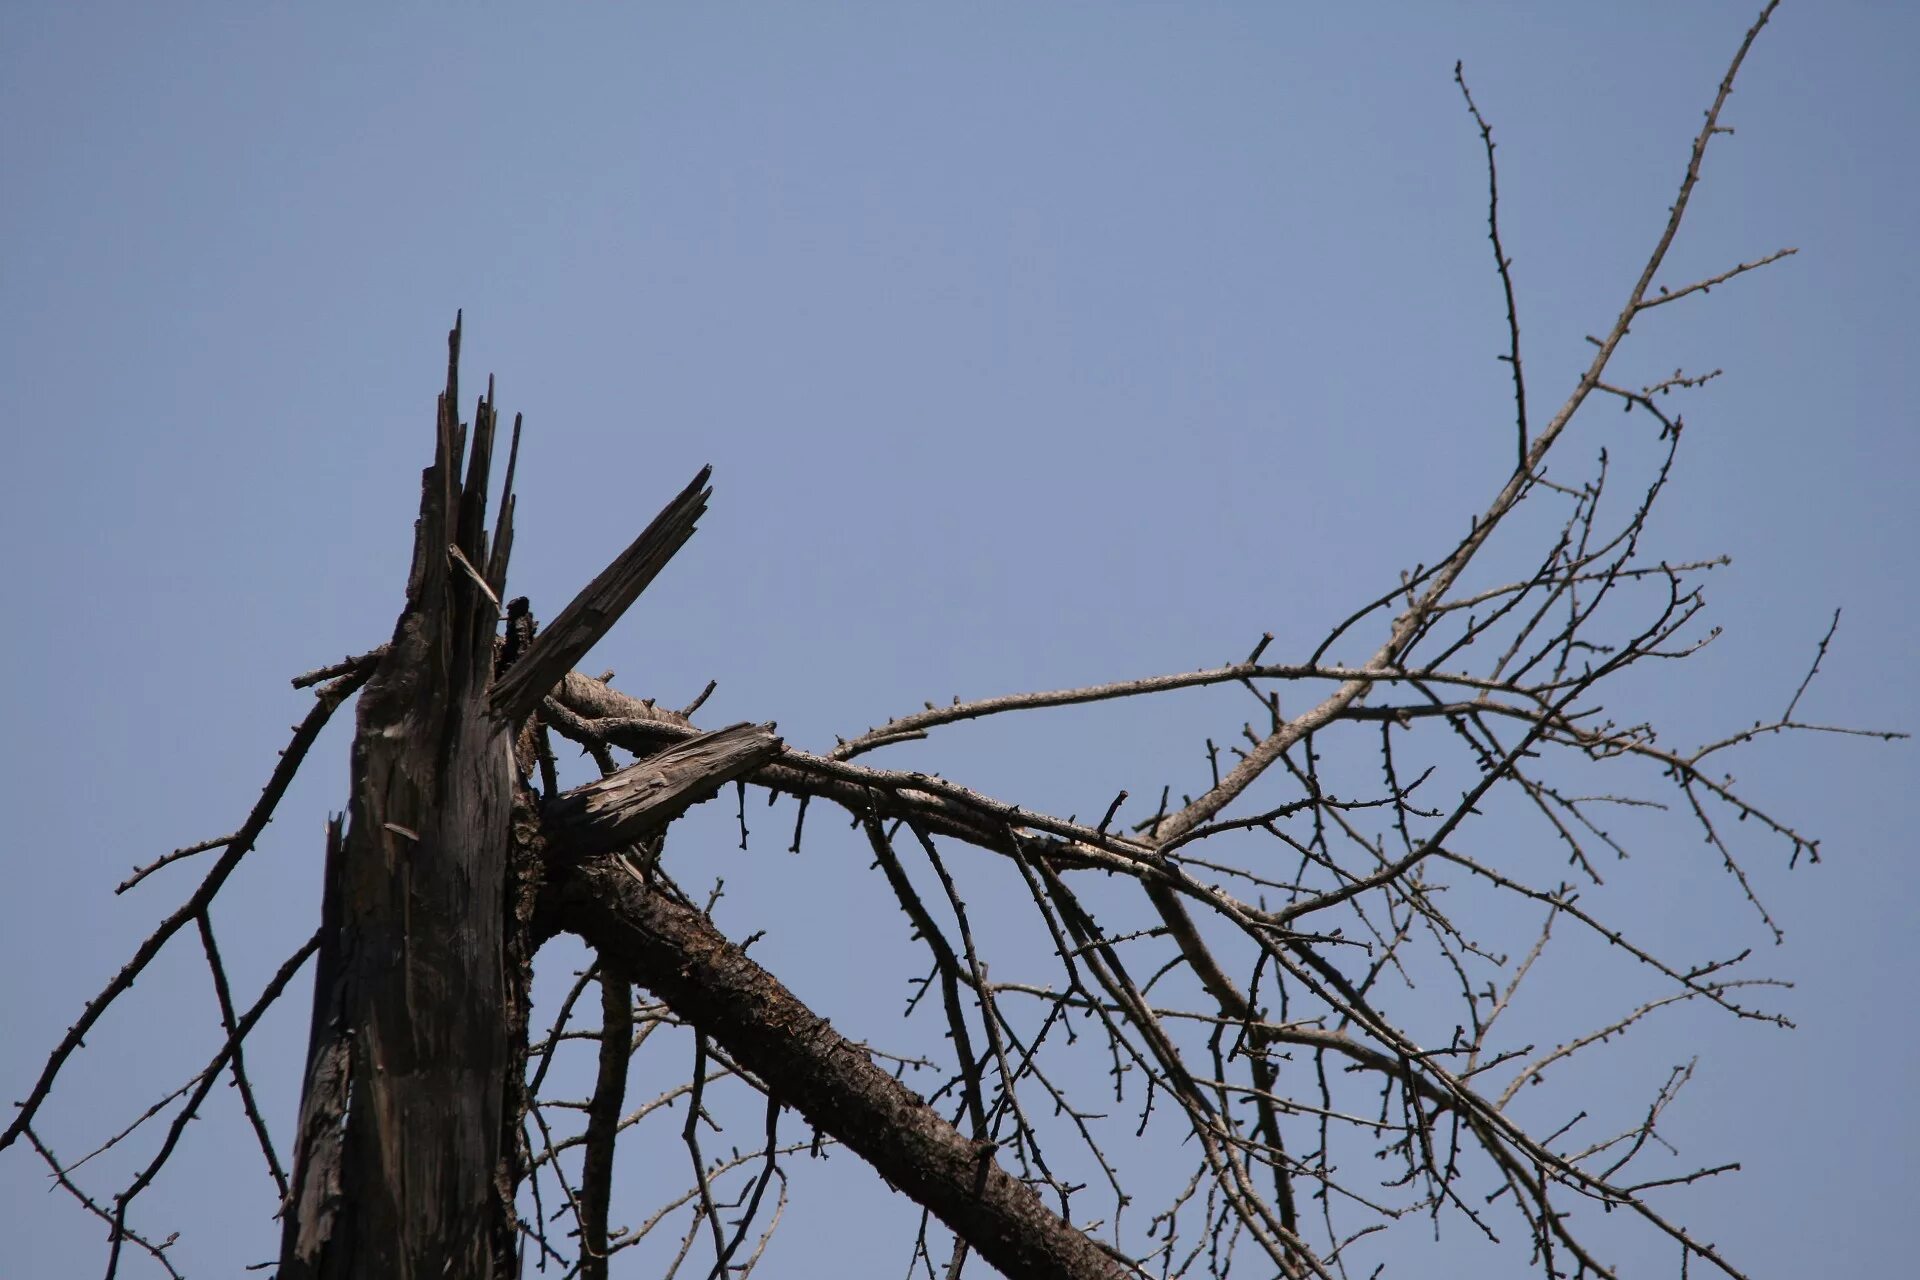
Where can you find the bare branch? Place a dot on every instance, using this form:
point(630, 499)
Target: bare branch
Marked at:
point(1703, 286)
point(304, 734)
point(674, 952)
point(1503, 263)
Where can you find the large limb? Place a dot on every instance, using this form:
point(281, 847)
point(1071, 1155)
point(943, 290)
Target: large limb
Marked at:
point(675, 952)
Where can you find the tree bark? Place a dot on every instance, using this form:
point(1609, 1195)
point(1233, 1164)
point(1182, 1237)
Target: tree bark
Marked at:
point(675, 952)
point(401, 1122)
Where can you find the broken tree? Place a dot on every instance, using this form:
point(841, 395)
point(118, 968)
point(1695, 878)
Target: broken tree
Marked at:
point(1287, 975)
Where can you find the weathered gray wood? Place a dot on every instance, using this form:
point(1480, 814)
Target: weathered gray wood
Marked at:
point(639, 800)
point(401, 1126)
point(599, 605)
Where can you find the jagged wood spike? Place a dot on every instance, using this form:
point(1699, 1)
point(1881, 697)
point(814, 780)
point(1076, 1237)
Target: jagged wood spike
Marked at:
point(630, 805)
point(470, 533)
point(601, 604)
point(503, 527)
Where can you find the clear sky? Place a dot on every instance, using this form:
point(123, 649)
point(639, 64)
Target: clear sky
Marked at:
point(1032, 345)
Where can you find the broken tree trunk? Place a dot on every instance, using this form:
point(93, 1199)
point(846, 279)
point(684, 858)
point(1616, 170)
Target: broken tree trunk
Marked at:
point(409, 1153)
point(449, 873)
point(401, 1133)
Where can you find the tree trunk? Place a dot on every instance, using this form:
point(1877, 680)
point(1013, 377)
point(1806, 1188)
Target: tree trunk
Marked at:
point(401, 1126)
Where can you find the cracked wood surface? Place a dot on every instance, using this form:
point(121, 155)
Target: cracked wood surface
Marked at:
point(637, 801)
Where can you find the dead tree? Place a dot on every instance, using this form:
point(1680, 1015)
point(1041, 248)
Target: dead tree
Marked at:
point(1259, 964)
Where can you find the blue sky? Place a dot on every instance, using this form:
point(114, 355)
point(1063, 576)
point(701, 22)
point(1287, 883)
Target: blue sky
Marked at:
point(1031, 346)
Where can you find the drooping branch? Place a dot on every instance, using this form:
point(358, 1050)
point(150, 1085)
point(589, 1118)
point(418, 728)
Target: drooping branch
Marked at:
point(675, 952)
